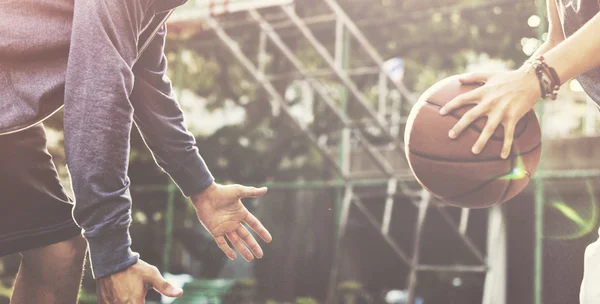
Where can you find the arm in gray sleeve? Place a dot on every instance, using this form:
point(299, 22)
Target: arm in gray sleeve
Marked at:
point(161, 123)
point(98, 120)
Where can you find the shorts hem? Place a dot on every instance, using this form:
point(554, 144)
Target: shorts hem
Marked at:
point(38, 238)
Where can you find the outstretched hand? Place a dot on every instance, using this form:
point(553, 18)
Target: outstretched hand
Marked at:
point(220, 210)
point(504, 98)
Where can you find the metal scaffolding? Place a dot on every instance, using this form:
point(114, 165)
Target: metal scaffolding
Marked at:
point(398, 179)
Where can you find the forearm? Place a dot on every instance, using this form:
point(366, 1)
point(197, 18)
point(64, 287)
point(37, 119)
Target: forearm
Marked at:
point(578, 53)
point(544, 48)
point(98, 120)
point(161, 122)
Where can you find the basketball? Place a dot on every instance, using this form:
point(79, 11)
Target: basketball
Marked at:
point(449, 170)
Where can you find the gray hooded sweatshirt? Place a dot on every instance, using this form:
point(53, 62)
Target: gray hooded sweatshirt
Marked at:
point(83, 54)
point(573, 14)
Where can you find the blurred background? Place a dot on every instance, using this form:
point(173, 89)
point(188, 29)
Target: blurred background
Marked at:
point(310, 98)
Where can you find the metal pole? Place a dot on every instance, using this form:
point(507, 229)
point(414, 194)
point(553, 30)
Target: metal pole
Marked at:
point(388, 239)
point(539, 228)
point(412, 276)
point(171, 188)
point(169, 220)
point(539, 187)
point(342, 61)
point(389, 205)
point(262, 53)
point(591, 117)
point(463, 237)
point(494, 288)
point(337, 250)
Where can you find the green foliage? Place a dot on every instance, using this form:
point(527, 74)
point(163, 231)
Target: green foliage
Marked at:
point(350, 286)
point(306, 301)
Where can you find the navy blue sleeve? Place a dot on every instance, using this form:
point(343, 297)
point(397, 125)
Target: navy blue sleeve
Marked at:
point(161, 122)
point(98, 121)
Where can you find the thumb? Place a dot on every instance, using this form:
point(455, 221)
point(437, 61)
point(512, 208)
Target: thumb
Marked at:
point(162, 286)
point(243, 191)
point(471, 78)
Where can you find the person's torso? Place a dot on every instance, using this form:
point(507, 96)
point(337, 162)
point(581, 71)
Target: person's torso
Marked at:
point(34, 49)
point(34, 45)
point(573, 15)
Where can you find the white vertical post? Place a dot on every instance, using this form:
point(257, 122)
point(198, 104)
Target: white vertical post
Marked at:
point(262, 53)
point(389, 204)
point(464, 221)
point(383, 95)
point(494, 289)
point(591, 115)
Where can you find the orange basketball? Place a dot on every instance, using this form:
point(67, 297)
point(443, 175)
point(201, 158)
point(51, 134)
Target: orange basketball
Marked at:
point(449, 170)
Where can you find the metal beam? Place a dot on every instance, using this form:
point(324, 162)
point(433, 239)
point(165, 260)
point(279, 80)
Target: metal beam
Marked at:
point(452, 268)
point(371, 151)
point(342, 75)
point(373, 221)
point(463, 237)
point(367, 46)
point(270, 89)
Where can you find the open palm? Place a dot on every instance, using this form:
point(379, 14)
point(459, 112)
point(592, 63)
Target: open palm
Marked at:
point(221, 212)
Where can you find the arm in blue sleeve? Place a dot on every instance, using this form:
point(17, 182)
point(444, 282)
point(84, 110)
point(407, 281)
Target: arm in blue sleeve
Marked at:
point(98, 120)
point(161, 122)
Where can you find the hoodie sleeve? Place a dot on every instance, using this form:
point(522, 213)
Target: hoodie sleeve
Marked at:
point(98, 120)
point(161, 122)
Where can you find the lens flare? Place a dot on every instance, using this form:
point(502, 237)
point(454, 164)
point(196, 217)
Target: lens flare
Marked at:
point(518, 172)
point(571, 219)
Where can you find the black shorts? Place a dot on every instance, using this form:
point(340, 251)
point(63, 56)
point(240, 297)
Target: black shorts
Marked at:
point(34, 208)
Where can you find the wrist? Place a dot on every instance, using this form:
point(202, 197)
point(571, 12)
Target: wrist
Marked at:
point(110, 252)
point(530, 82)
point(203, 195)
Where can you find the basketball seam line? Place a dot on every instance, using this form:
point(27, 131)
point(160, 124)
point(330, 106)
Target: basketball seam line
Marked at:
point(512, 166)
point(483, 160)
point(485, 183)
point(491, 180)
point(476, 129)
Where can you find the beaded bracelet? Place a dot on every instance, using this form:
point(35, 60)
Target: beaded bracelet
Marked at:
point(547, 77)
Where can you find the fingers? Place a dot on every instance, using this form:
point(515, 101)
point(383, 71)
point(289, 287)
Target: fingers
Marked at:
point(258, 227)
point(465, 121)
point(156, 280)
point(243, 191)
point(486, 133)
point(509, 133)
point(240, 246)
point(222, 243)
point(248, 238)
point(460, 100)
point(244, 242)
point(472, 78)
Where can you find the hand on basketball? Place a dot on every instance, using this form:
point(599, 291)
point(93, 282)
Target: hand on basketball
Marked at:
point(220, 210)
point(504, 99)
